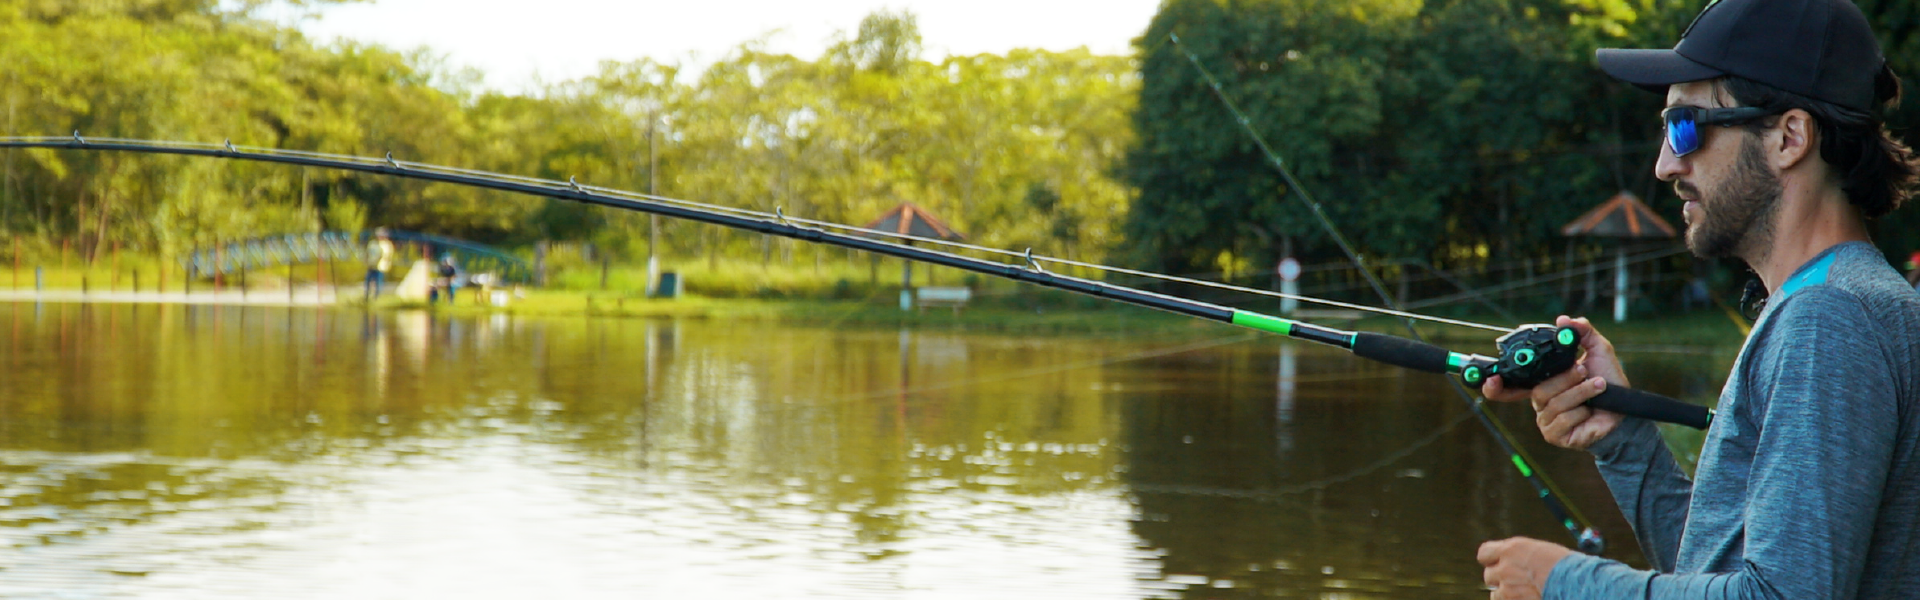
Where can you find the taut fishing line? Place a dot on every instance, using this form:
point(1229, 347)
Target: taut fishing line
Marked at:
point(1529, 354)
point(1586, 537)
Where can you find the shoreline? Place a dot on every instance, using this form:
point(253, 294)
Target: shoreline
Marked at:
point(302, 296)
point(1693, 333)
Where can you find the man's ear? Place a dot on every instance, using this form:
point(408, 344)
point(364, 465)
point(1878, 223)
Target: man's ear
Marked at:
point(1795, 140)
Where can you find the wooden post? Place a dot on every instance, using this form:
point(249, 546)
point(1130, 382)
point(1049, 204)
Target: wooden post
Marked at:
point(540, 263)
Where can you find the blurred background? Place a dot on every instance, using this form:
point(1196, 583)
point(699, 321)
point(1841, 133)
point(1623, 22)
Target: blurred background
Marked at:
point(779, 428)
point(1450, 140)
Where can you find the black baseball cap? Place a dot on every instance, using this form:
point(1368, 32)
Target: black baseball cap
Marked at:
point(1821, 49)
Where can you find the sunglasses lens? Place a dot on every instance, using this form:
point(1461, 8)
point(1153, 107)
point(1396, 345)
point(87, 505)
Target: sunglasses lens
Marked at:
point(1683, 135)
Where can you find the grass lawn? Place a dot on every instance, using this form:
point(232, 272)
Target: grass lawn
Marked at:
point(836, 292)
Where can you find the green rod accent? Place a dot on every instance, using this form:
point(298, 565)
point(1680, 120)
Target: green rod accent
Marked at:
point(1524, 469)
point(1262, 322)
point(1456, 362)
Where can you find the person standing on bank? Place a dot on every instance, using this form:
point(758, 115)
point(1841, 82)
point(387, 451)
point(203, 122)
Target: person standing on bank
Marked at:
point(1808, 484)
point(446, 279)
point(379, 261)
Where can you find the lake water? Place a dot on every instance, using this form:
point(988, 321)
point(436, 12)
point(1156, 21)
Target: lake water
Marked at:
point(222, 452)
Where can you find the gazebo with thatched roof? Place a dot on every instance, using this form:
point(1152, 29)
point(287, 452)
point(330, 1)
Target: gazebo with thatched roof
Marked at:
point(1624, 218)
point(909, 219)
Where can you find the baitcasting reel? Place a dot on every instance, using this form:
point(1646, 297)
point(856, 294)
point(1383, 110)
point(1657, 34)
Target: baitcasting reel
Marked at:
point(1528, 355)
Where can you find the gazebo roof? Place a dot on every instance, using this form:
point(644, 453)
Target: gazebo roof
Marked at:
point(1622, 216)
point(908, 219)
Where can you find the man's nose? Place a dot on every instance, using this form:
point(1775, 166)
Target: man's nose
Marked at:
point(1670, 167)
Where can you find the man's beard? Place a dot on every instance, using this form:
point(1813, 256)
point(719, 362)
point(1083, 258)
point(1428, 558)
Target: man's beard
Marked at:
point(1739, 214)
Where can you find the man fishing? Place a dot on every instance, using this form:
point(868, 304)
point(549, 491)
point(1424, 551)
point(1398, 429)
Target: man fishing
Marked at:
point(1808, 484)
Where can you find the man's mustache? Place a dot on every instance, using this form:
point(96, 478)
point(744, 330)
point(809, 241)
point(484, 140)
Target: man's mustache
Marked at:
point(1686, 190)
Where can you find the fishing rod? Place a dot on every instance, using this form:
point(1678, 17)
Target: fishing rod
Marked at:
point(1527, 355)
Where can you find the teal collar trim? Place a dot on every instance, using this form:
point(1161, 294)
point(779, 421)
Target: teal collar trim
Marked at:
point(1813, 273)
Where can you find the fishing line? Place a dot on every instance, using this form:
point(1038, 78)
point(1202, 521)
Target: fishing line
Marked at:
point(1529, 354)
point(971, 381)
point(1274, 494)
point(1585, 535)
point(777, 215)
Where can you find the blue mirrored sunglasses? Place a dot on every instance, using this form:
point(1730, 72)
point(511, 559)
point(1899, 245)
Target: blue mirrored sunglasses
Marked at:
point(1683, 123)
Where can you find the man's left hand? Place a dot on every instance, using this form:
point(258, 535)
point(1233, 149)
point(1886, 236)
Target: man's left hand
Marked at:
point(1517, 568)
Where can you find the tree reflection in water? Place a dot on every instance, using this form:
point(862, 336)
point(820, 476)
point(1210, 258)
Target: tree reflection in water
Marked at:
point(247, 452)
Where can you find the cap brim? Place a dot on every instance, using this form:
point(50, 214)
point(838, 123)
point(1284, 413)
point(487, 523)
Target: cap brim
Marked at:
point(1652, 69)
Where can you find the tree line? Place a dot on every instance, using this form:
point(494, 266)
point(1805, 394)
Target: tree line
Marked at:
point(1011, 149)
point(1452, 132)
point(1456, 132)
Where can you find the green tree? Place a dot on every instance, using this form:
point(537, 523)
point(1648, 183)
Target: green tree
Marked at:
point(1447, 131)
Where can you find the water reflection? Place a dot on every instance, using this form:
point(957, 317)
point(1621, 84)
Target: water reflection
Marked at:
point(263, 452)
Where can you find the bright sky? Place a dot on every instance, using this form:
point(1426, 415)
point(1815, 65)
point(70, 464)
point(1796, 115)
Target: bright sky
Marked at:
point(513, 41)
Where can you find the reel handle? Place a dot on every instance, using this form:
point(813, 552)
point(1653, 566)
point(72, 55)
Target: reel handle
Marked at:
point(1648, 405)
point(1533, 353)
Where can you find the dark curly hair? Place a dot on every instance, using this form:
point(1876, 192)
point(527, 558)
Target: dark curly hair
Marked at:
point(1877, 171)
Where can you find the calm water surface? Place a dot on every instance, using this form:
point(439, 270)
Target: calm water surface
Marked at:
point(208, 452)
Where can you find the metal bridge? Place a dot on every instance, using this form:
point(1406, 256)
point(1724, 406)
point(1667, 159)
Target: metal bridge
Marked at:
point(350, 247)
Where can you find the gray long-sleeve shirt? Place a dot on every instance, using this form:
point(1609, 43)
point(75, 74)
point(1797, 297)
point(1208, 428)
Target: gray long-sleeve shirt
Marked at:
point(1808, 485)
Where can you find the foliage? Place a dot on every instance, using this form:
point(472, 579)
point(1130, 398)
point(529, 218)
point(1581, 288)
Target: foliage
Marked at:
point(1460, 133)
point(841, 138)
point(1425, 129)
point(1456, 132)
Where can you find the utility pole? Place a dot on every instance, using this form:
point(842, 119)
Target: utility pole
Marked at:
point(6, 188)
point(653, 221)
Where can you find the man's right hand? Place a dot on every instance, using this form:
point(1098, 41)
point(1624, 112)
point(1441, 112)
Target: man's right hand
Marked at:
point(1560, 402)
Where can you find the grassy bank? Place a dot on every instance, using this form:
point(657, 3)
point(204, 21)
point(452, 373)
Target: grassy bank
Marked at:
point(834, 292)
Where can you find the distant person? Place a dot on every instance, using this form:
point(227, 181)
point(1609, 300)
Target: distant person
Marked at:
point(1808, 481)
point(379, 260)
point(446, 278)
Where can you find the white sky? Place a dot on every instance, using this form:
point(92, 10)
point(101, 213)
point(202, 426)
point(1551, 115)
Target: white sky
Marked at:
point(513, 41)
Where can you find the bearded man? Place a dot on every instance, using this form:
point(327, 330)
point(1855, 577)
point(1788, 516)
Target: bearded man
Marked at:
point(1808, 484)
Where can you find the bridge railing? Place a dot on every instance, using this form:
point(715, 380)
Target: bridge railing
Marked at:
point(339, 246)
